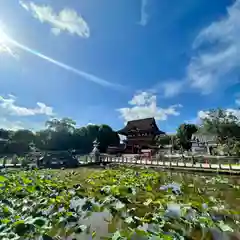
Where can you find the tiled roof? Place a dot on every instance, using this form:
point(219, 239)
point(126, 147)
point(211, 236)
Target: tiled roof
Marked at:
point(147, 124)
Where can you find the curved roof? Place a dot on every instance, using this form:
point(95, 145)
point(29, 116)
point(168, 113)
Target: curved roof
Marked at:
point(146, 124)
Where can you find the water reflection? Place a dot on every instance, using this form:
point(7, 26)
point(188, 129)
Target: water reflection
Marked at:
point(175, 187)
point(179, 183)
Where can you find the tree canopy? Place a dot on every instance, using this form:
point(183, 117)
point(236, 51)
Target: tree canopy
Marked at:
point(184, 135)
point(225, 125)
point(222, 123)
point(62, 134)
point(59, 135)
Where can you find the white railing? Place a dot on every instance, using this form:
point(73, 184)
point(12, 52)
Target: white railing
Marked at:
point(176, 163)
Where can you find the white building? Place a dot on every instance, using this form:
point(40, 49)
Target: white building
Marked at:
point(203, 143)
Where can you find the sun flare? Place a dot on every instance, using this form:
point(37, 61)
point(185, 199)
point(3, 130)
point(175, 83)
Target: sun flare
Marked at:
point(5, 43)
point(3, 36)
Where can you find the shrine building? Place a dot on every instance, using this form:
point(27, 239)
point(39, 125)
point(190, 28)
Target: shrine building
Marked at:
point(140, 134)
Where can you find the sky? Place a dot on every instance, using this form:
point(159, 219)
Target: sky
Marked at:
point(114, 61)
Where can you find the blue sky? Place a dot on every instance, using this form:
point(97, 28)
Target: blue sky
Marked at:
point(112, 61)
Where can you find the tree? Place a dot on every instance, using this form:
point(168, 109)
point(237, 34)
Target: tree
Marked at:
point(5, 134)
point(23, 135)
point(59, 135)
point(184, 135)
point(107, 137)
point(43, 139)
point(81, 141)
point(61, 125)
point(18, 142)
point(222, 123)
point(225, 125)
point(164, 140)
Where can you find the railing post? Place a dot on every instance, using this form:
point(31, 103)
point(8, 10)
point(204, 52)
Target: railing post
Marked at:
point(230, 164)
point(220, 166)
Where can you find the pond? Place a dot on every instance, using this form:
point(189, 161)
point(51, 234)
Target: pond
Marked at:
point(117, 203)
point(221, 194)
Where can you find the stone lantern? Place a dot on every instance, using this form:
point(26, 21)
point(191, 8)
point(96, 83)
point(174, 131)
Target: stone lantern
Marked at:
point(95, 152)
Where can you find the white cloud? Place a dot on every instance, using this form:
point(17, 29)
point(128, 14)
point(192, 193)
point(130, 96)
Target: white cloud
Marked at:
point(222, 55)
point(144, 16)
point(8, 106)
point(234, 112)
point(202, 114)
point(172, 88)
point(144, 105)
point(11, 124)
point(142, 98)
point(216, 56)
point(205, 114)
point(66, 20)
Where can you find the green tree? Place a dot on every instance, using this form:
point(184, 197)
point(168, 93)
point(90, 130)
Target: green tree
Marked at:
point(222, 123)
point(106, 137)
point(61, 125)
point(43, 139)
point(184, 135)
point(59, 135)
point(23, 135)
point(164, 140)
point(18, 141)
point(5, 134)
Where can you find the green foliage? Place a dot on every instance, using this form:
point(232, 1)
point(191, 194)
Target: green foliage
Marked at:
point(61, 125)
point(164, 140)
point(60, 135)
point(221, 123)
point(184, 135)
point(56, 204)
point(226, 127)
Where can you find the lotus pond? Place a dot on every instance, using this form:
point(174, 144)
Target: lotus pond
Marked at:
point(117, 203)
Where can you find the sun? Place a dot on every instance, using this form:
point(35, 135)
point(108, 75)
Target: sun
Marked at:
point(3, 36)
point(3, 42)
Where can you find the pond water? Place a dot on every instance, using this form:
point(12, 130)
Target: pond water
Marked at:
point(222, 190)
